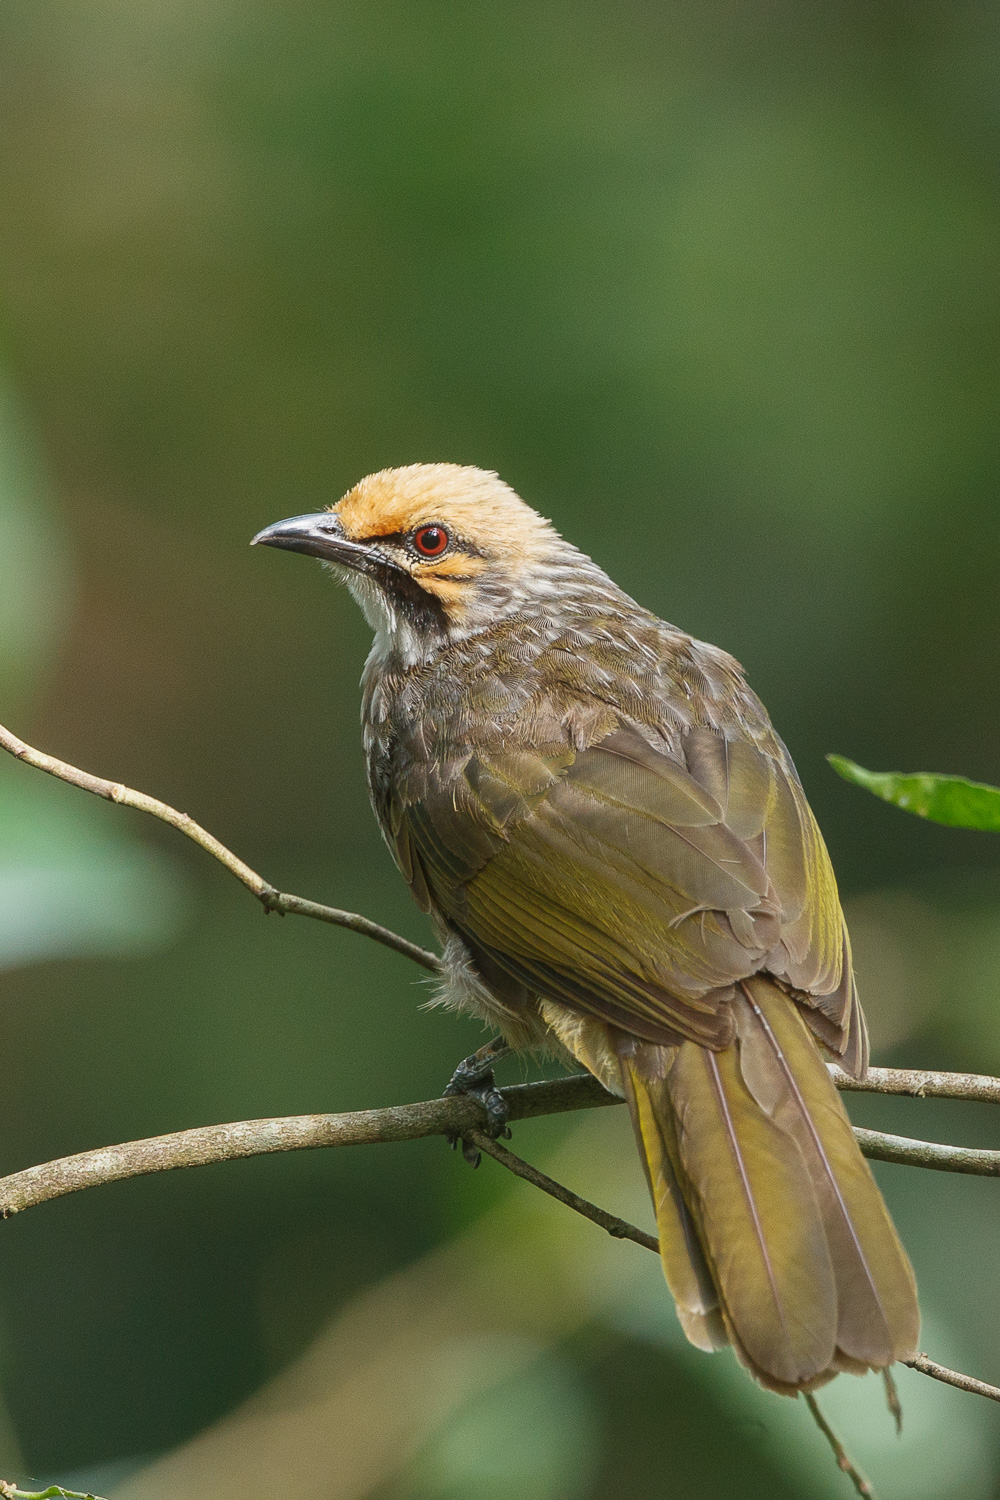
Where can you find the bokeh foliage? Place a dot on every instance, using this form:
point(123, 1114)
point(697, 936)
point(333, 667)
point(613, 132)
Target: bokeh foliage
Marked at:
point(713, 286)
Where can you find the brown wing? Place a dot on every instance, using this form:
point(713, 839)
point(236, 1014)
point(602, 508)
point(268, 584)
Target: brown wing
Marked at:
point(634, 885)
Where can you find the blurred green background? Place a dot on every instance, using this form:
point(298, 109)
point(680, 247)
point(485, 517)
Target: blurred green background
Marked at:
point(714, 286)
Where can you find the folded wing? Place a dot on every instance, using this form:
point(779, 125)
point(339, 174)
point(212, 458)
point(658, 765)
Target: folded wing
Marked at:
point(637, 885)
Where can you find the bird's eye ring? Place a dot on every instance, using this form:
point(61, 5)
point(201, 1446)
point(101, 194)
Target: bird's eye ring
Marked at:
point(431, 541)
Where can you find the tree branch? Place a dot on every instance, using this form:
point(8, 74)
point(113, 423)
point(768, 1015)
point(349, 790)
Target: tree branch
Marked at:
point(906, 1153)
point(454, 1116)
point(460, 1115)
point(270, 898)
point(917, 1083)
point(952, 1377)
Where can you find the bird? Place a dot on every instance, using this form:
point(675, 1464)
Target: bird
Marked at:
point(620, 863)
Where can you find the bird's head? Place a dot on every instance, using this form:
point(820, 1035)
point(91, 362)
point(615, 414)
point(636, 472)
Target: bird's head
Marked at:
point(432, 552)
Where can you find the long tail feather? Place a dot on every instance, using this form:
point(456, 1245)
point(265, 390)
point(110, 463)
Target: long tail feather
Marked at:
point(688, 1276)
point(878, 1321)
point(773, 1233)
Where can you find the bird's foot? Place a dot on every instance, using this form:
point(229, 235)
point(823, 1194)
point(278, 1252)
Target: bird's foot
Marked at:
point(474, 1076)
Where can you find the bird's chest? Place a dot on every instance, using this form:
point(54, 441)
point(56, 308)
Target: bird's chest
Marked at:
point(421, 729)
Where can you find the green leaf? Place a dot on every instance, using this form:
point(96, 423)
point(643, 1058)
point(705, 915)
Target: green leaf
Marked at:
point(942, 799)
point(54, 1492)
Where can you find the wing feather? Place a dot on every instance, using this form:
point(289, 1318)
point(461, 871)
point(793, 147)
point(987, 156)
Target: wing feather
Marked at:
point(637, 884)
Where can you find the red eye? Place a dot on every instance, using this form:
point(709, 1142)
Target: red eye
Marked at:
point(431, 541)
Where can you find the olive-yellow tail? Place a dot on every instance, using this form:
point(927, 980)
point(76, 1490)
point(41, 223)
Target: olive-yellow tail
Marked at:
point(774, 1236)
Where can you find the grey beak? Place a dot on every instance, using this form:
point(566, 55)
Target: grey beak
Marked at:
point(319, 535)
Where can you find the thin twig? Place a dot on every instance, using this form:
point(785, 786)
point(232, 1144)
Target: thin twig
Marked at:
point(878, 1146)
point(953, 1377)
point(619, 1229)
point(270, 898)
point(918, 1083)
point(854, 1474)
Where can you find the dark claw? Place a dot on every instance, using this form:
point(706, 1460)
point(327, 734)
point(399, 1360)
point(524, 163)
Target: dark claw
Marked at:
point(470, 1151)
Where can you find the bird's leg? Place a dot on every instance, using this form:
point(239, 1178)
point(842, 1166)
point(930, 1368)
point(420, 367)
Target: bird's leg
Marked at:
point(474, 1076)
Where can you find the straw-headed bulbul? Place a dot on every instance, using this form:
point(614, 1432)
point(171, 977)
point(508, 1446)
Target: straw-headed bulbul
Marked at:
point(619, 859)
